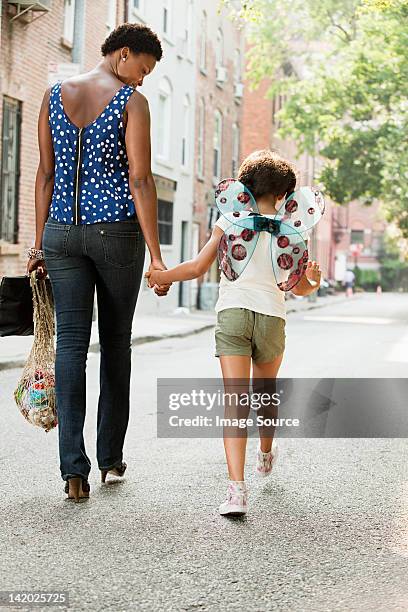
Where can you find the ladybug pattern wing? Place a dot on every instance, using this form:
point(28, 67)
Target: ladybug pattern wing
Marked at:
point(234, 200)
point(302, 209)
point(289, 257)
point(235, 249)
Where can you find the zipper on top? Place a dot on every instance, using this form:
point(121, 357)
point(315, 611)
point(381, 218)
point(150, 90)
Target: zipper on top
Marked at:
point(77, 178)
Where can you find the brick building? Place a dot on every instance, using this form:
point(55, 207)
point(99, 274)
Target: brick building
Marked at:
point(262, 134)
point(219, 95)
point(358, 233)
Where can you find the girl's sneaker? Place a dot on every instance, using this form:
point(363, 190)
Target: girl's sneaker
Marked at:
point(237, 499)
point(266, 461)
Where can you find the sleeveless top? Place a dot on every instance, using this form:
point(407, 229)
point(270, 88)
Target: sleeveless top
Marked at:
point(91, 182)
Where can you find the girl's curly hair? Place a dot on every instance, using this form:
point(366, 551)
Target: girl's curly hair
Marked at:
point(266, 172)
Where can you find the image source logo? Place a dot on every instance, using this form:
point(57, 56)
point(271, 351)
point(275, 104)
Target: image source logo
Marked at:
point(301, 408)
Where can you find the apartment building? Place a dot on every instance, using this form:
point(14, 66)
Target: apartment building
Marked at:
point(358, 234)
point(219, 108)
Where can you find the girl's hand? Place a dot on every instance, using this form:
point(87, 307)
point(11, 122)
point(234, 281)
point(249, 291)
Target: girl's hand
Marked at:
point(154, 277)
point(36, 264)
point(160, 289)
point(313, 272)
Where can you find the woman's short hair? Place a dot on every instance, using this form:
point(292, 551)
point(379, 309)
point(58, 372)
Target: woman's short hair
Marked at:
point(266, 172)
point(139, 38)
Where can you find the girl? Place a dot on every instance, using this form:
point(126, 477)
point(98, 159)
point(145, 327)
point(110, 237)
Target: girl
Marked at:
point(250, 327)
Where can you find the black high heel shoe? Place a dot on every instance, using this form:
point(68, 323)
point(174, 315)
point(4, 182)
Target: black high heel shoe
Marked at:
point(115, 471)
point(77, 488)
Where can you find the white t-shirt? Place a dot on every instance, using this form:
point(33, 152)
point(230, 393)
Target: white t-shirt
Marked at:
point(255, 288)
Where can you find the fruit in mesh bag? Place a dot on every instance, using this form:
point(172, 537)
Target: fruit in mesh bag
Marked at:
point(36, 399)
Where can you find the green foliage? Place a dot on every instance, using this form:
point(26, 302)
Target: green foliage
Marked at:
point(394, 275)
point(347, 99)
point(393, 267)
point(281, 30)
point(367, 279)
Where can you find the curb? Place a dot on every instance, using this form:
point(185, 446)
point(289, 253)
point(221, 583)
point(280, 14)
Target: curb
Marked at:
point(317, 305)
point(94, 347)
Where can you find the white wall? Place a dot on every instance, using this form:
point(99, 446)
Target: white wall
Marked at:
point(180, 74)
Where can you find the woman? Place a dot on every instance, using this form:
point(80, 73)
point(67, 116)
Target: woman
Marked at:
point(96, 208)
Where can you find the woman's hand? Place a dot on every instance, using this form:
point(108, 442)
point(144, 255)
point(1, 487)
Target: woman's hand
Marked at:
point(157, 265)
point(36, 264)
point(313, 272)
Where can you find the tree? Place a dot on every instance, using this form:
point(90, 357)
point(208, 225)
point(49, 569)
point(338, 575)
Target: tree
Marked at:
point(349, 97)
point(281, 32)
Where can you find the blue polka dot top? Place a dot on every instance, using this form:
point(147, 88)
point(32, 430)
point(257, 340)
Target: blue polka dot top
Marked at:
point(91, 182)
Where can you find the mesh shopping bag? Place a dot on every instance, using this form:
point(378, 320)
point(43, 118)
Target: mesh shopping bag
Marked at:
point(35, 392)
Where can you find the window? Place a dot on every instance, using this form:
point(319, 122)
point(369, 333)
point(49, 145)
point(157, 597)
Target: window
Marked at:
point(203, 42)
point(217, 148)
point(136, 9)
point(186, 132)
point(235, 149)
point(137, 5)
point(189, 31)
point(111, 17)
point(164, 119)
point(69, 19)
point(277, 105)
point(357, 237)
point(377, 241)
point(167, 17)
point(201, 138)
point(219, 50)
point(237, 66)
point(10, 169)
point(165, 221)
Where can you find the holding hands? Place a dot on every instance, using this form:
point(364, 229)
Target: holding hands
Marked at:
point(154, 279)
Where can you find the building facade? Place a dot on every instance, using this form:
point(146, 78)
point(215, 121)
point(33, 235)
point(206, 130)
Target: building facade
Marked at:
point(170, 90)
point(358, 234)
point(219, 108)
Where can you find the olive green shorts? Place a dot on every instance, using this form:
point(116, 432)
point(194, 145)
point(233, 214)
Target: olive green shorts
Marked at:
point(240, 331)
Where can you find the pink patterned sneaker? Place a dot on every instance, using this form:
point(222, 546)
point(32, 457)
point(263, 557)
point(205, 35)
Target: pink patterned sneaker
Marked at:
point(237, 499)
point(266, 461)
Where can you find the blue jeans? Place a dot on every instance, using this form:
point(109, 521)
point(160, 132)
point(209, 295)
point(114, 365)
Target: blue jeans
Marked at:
point(110, 257)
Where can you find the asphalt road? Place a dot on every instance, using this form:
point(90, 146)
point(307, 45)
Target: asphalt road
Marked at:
point(328, 532)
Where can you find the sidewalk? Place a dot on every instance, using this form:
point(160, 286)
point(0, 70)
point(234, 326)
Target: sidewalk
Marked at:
point(150, 328)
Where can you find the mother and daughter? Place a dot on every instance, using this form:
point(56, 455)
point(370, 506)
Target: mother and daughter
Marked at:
point(96, 211)
point(250, 329)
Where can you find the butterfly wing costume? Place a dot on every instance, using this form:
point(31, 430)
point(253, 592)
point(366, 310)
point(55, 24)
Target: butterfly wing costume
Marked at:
point(300, 211)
